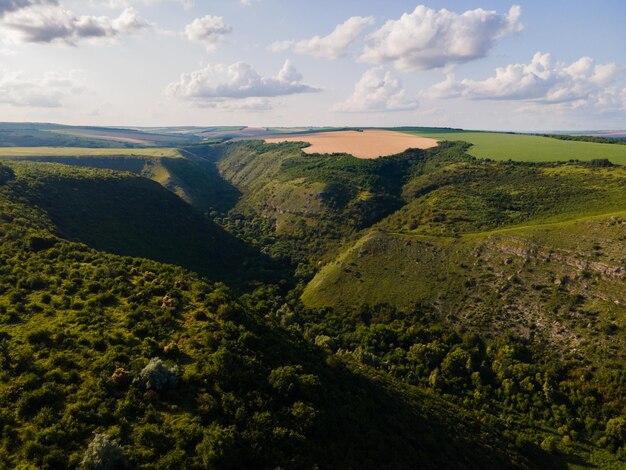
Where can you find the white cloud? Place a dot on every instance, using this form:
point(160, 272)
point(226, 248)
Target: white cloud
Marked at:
point(7, 6)
point(48, 92)
point(208, 30)
point(377, 90)
point(544, 80)
point(51, 23)
point(428, 39)
point(333, 46)
point(215, 85)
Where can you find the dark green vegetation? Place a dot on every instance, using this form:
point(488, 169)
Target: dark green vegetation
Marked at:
point(80, 331)
point(427, 310)
point(133, 216)
point(587, 138)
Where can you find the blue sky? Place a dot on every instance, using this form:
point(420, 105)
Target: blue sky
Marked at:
point(525, 65)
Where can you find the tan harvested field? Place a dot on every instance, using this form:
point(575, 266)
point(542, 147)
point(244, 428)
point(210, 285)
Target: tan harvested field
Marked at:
point(372, 143)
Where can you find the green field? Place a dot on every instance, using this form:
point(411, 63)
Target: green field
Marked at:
point(528, 148)
point(86, 152)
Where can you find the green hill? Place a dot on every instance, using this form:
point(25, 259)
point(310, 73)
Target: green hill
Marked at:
point(301, 207)
point(129, 215)
point(181, 171)
point(182, 374)
point(57, 135)
point(446, 246)
point(527, 251)
point(498, 247)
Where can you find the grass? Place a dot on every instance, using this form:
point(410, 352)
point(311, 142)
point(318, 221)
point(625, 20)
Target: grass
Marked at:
point(469, 229)
point(527, 148)
point(26, 152)
point(71, 316)
point(179, 170)
point(130, 215)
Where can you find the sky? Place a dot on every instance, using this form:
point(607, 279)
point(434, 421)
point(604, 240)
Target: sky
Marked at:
point(531, 65)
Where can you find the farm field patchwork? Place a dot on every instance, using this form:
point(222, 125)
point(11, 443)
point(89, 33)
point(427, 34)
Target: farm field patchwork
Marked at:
point(25, 152)
point(128, 136)
point(371, 143)
point(528, 148)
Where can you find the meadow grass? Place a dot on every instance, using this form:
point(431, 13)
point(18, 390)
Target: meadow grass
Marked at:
point(528, 148)
point(26, 152)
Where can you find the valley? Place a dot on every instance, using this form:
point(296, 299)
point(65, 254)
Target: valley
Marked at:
point(456, 292)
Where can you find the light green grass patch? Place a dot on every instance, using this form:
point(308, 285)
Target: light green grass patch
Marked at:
point(529, 148)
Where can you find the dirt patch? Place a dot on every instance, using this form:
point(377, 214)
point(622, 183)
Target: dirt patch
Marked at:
point(365, 144)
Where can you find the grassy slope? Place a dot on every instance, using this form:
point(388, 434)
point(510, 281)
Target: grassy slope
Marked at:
point(477, 276)
point(67, 308)
point(129, 215)
point(443, 248)
point(308, 204)
point(466, 196)
point(181, 171)
point(500, 146)
point(486, 242)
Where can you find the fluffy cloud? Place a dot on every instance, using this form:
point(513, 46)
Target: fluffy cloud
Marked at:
point(7, 6)
point(333, 46)
point(544, 80)
point(208, 30)
point(51, 23)
point(47, 92)
point(215, 85)
point(428, 39)
point(377, 90)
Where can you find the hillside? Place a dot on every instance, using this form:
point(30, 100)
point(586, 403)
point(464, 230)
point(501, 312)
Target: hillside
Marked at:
point(521, 260)
point(459, 206)
point(302, 208)
point(129, 215)
point(182, 374)
point(430, 282)
point(537, 250)
point(179, 170)
point(499, 250)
